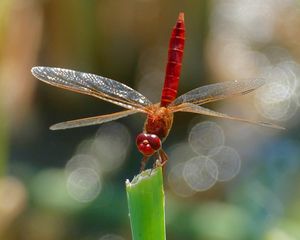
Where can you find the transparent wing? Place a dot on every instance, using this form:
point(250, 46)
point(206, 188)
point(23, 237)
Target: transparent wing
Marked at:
point(218, 91)
point(189, 107)
point(92, 120)
point(93, 85)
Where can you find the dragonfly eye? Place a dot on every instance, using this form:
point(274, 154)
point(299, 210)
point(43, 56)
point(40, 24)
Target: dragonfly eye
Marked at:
point(148, 144)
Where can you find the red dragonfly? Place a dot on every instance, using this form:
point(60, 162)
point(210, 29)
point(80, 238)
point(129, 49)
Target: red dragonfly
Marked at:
point(159, 116)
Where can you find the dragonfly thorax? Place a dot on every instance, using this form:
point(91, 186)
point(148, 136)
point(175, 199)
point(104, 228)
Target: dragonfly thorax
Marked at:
point(159, 122)
point(148, 144)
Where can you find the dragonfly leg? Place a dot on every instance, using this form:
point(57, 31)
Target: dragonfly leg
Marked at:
point(157, 162)
point(161, 159)
point(143, 163)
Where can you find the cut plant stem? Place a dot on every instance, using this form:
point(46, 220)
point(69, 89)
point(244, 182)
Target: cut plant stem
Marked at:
point(146, 203)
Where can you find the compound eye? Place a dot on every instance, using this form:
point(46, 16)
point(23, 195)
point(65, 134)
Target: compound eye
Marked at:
point(148, 144)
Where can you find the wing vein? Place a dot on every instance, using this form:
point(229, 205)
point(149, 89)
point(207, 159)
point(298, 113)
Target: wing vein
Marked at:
point(93, 85)
point(219, 91)
point(192, 108)
point(92, 120)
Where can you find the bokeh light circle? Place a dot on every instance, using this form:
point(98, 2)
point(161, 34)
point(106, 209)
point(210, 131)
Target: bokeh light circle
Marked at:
point(84, 184)
point(110, 145)
point(228, 162)
point(177, 182)
point(274, 102)
point(206, 138)
point(200, 173)
point(82, 161)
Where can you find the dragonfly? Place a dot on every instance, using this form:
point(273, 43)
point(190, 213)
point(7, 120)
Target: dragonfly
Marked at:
point(159, 116)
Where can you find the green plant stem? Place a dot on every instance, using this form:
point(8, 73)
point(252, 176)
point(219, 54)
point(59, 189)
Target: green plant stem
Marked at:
point(146, 205)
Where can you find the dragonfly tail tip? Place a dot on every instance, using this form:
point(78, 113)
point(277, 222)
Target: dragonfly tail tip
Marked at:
point(181, 17)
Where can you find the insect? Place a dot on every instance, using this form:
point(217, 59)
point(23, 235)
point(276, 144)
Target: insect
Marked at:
point(159, 116)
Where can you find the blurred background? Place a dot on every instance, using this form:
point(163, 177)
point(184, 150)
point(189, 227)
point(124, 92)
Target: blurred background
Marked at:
point(224, 180)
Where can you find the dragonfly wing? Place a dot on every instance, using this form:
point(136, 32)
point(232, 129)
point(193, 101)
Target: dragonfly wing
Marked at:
point(189, 107)
point(218, 91)
point(92, 120)
point(91, 84)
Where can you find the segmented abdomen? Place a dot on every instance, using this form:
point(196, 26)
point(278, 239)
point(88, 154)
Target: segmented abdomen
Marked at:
point(175, 54)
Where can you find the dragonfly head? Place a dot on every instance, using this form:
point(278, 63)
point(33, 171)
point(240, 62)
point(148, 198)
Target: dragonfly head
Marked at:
point(147, 143)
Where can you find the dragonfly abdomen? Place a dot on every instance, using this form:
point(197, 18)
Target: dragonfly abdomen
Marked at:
point(173, 69)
